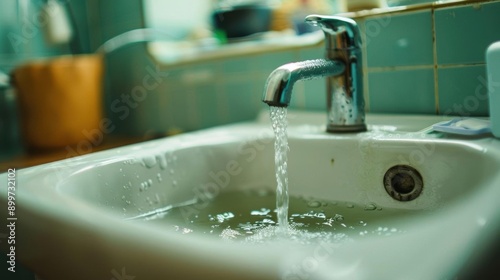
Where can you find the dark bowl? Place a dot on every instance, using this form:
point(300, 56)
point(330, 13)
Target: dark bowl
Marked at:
point(241, 21)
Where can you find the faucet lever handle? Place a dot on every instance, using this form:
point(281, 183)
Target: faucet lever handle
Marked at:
point(340, 32)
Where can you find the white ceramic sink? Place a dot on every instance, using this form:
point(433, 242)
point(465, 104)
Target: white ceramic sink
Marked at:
point(74, 216)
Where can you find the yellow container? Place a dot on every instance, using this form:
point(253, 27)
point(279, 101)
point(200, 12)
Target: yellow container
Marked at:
point(60, 100)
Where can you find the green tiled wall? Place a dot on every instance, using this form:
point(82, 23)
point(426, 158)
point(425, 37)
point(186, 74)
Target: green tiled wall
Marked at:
point(448, 44)
point(399, 40)
point(464, 32)
point(416, 61)
point(462, 90)
point(402, 91)
point(462, 35)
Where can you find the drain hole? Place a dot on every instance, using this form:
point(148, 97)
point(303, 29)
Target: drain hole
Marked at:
point(403, 183)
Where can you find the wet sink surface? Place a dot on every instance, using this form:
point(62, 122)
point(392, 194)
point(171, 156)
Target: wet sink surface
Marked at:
point(157, 204)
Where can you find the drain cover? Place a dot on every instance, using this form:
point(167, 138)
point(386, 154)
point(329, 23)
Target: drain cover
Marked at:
point(403, 182)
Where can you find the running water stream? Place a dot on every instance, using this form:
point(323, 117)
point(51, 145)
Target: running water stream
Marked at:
point(279, 123)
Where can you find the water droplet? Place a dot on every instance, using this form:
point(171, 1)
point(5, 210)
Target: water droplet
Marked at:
point(262, 192)
point(320, 215)
point(370, 207)
point(349, 205)
point(338, 217)
point(149, 161)
point(261, 212)
point(314, 204)
point(163, 162)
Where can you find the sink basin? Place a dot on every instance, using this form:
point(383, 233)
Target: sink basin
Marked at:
point(126, 212)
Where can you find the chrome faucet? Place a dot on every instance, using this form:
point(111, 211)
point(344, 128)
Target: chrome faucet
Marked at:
point(342, 68)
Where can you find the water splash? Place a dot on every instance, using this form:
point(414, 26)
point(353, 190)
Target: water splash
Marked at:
point(279, 123)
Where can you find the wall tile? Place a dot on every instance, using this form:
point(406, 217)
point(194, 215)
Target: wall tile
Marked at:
point(399, 40)
point(266, 63)
point(207, 106)
point(243, 100)
point(239, 66)
point(463, 33)
point(312, 53)
point(315, 94)
point(462, 91)
point(146, 115)
point(403, 91)
point(196, 87)
point(298, 100)
point(311, 94)
point(184, 111)
point(116, 19)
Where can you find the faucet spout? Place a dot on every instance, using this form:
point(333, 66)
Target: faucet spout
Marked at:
point(342, 68)
point(279, 85)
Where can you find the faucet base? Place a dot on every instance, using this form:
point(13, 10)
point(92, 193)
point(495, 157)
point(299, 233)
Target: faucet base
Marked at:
point(345, 128)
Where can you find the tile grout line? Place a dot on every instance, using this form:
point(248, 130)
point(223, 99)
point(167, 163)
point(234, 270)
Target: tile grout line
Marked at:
point(366, 79)
point(435, 66)
point(399, 68)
